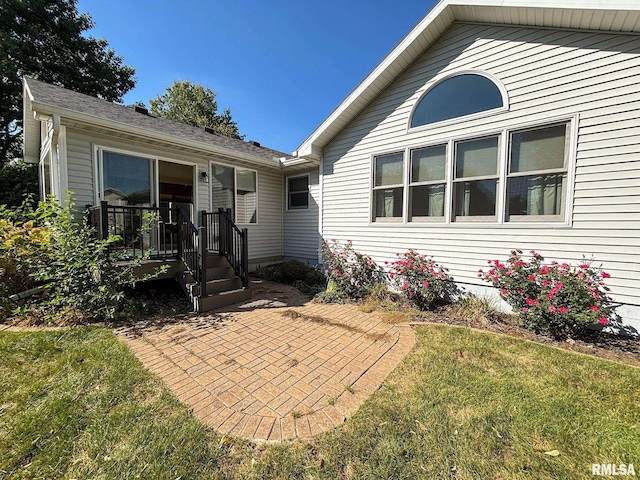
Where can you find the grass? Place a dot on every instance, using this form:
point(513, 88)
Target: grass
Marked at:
point(463, 405)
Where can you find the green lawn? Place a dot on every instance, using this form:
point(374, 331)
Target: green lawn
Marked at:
point(464, 404)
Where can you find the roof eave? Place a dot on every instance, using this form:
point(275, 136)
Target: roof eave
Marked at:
point(422, 36)
point(47, 109)
point(30, 128)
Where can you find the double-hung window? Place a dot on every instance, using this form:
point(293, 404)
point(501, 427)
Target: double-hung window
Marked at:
point(298, 193)
point(388, 186)
point(427, 183)
point(476, 179)
point(537, 176)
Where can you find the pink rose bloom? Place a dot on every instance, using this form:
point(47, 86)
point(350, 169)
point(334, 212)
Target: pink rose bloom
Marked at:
point(536, 303)
point(594, 308)
point(525, 309)
point(563, 309)
point(520, 292)
point(584, 265)
point(603, 321)
point(605, 275)
point(552, 309)
point(529, 301)
point(425, 284)
point(505, 292)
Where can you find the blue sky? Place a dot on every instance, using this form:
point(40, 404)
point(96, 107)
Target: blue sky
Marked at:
point(281, 66)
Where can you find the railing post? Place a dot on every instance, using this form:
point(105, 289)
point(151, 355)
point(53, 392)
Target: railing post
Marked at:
point(202, 259)
point(179, 232)
point(104, 220)
point(245, 257)
point(222, 232)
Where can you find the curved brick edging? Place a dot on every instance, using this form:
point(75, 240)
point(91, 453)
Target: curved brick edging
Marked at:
point(272, 371)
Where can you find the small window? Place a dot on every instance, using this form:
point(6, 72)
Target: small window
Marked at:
point(537, 175)
point(388, 189)
point(298, 193)
point(457, 97)
point(427, 183)
point(476, 179)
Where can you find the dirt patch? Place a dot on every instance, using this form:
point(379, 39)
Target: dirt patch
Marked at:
point(374, 337)
point(595, 343)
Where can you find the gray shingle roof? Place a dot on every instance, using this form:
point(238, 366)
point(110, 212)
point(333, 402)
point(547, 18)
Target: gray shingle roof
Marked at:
point(58, 97)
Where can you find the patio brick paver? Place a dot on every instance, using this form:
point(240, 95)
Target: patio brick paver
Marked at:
point(255, 370)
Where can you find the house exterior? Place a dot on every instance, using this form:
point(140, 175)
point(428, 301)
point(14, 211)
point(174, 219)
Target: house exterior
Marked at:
point(106, 152)
point(495, 125)
point(120, 163)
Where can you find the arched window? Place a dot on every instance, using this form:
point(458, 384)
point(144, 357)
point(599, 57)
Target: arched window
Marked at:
point(455, 97)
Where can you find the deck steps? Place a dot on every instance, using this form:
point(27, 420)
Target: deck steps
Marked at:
point(223, 287)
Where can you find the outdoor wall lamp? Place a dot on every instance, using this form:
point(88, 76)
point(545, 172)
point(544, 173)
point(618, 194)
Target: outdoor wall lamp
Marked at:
point(204, 177)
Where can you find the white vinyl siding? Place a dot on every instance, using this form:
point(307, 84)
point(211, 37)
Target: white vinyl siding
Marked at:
point(549, 76)
point(265, 239)
point(301, 237)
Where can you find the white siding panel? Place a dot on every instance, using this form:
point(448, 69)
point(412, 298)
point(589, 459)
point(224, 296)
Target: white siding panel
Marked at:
point(80, 168)
point(547, 74)
point(301, 236)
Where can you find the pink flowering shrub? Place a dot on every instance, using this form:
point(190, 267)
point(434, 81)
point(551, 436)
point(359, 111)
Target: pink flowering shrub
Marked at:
point(421, 279)
point(556, 299)
point(350, 273)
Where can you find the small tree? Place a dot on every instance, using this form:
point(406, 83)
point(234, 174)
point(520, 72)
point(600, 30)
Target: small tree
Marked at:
point(195, 105)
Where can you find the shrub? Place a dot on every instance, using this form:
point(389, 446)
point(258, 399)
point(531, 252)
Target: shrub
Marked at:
point(350, 273)
point(421, 279)
point(305, 278)
point(80, 273)
point(556, 299)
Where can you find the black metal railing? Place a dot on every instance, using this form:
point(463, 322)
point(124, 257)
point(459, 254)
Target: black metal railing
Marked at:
point(225, 238)
point(142, 230)
point(188, 243)
point(171, 234)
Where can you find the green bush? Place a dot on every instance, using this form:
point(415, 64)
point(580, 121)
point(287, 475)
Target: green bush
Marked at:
point(556, 299)
point(80, 273)
point(351, 274)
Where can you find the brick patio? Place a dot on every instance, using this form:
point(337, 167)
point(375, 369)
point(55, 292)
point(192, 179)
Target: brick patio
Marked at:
point(275, 368)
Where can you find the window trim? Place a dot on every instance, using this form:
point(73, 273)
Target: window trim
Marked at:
point(373, 188)
point(235, 196)
point(501, 220)
point(472, 116)
point(308, 191)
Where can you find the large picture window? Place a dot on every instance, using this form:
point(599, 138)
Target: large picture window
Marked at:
point(235, 189)
point(388, 188)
